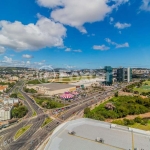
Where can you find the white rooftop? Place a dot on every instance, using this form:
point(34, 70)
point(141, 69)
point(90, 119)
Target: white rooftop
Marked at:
point(87, 131)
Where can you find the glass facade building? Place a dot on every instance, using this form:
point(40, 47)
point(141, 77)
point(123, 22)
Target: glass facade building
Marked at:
point(124, 74)
point(108, 75)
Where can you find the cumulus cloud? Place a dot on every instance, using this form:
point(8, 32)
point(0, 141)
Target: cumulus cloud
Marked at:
point(27, 56)
point(2, 50)
point(111, 20)
point(122, 25)
point(70, 50)
point(145, 5)
point(122, 45)
point(76, 13)
point(101, 47)
point(50, 3)
point(67, 49)
point(45, 33)
point(126, 44)
point(77, 50)
point(7, 59)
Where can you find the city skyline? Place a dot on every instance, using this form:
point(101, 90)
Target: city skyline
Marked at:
point(66, 34)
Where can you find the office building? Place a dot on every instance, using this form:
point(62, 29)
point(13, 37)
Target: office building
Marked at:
point(108, 75)
point(124, 75)
point(129, 74)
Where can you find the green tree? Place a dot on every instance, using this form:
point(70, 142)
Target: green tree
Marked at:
point(86, 110)
point(116, 94)
point(138, 119)
point(13, 95)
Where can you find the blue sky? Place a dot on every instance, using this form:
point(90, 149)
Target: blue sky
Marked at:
point(75, 33)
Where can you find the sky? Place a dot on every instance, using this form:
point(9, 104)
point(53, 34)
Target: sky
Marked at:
point(75, 33)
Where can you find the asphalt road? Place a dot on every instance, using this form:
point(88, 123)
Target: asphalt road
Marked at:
point(42, 134)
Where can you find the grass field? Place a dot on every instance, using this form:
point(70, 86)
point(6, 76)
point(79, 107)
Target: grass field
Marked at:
point(19, 95)
point(142, 127)
point(22, 131)
point(46, 121)
point(33, 113)
point(143, 88)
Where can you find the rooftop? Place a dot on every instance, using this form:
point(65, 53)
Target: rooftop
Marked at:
point(86, 131)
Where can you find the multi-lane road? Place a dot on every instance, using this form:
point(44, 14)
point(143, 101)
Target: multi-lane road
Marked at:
point(35, 135)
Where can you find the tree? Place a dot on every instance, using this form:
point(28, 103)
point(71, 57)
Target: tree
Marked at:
point(86, 110)
point(13, 95)
point(138, 119)
point(116, 94)
point(19, 112)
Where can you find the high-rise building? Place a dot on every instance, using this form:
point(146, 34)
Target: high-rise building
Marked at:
point(121, 74)
point(124, 74)
point(129, 74)
point(108, 75)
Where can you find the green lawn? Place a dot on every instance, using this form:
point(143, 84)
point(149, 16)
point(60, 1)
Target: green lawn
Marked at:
point(46, 121)
point(142, 127)
point(33, 113)
point(48, 103)
point(143, 88)
point(22, 131)
point(20, 96)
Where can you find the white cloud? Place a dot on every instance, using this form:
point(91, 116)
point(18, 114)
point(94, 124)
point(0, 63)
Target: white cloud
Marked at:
point(76, 13)
point(70, 67)
point(145, 5)
point(116, 44)
point(9, 62)
point(77, 51)
point(70, 50)
point(7, 59)
point(45, 33)
point(27, 56)
point(2, 50)
point(67, 49)
point(111, 20)
point(50, 3)
point(122, 45)
point(28, 62)
point(122, 25)
point(101, 47)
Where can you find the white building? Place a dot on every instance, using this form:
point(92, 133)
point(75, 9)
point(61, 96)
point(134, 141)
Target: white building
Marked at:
point(63, 74)
point(5, 113)
point(10, 101)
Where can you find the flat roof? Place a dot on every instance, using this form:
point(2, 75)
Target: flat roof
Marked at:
point(56, 86)
point(87, 130)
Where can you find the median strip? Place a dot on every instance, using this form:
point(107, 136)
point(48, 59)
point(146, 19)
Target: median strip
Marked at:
point(46, 121)
point(22, 131)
